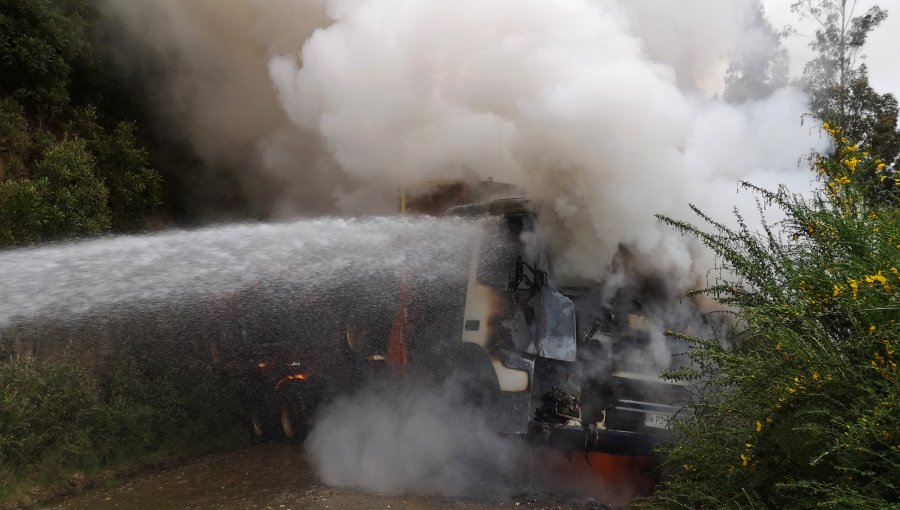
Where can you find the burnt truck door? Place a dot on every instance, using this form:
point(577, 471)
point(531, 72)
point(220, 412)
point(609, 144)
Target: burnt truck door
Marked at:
point(511, 309)
point(488, 311)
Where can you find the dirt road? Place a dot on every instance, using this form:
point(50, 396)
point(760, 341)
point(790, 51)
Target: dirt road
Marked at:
point(272, 476)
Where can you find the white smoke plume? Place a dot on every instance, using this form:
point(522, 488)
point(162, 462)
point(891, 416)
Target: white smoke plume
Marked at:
point(414, 440)
point(580, 102)
point(599, 108)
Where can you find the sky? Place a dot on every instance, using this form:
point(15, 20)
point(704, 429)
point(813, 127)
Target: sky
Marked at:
point(881, 48)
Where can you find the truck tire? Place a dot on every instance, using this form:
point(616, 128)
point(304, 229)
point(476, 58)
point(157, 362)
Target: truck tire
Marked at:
point(294, 416)
point(258, 426)
point(287, 418)
point(261, 418)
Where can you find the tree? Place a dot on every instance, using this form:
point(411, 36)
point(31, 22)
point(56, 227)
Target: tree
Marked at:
point(75, 197)
point(38, 40)
point(64, 199)
point(22, 211)
point(759, 65)
point(67, 167)
point(123, 165)
point(14, 139)
point(837, 80)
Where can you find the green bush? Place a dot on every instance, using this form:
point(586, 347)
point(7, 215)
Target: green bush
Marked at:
point(57, 419)
point(71, 163)
point(798, 405)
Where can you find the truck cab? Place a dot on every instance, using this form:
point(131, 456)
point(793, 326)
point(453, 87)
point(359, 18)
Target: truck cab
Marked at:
point(563, 366)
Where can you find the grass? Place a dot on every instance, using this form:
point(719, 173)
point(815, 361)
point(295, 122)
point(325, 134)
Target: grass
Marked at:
point(63, 428)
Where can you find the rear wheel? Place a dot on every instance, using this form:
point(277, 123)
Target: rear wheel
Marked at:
point(257, 426)
point(288, 420)
point(294, 415)
point(261, 417)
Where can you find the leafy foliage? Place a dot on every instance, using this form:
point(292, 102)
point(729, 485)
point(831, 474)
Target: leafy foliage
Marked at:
point(75, 197)
point(798, 406)
point(66, 169)
point(56, 418)
point(124, 165)
point(38, 40)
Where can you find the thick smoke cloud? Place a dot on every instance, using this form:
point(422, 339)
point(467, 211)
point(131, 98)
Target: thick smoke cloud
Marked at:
point(602, 109)
point(592, 107)
point(214, 90)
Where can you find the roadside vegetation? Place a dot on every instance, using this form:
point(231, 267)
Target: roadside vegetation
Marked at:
point(74, 163)
point(71, 161)
point(63, 427)
point(798, 403)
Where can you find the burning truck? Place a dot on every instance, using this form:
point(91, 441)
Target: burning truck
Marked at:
point(544, 362)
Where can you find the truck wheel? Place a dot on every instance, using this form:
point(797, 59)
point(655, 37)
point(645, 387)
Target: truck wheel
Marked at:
point(286, 415)
point(294, 418)
point(262, 421)
point(257, 426)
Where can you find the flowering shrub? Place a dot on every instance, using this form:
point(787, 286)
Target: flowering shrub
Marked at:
point(798, 404)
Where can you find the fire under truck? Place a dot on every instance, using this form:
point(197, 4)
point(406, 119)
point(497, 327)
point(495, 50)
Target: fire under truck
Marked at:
point(544, 362)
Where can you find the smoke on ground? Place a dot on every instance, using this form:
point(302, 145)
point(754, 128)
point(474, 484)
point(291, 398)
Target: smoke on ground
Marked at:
point(414, 439)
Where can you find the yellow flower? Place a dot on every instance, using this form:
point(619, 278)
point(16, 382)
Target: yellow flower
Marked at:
point(837, 290)
point(758, 426)
point(855, 286)
point(880, 166)
point(871, 329)
point(879, 279)
point(843, 180)
point(744, 459)
point(815, 376)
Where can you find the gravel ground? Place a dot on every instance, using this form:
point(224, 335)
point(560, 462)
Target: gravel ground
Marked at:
point(277, 476)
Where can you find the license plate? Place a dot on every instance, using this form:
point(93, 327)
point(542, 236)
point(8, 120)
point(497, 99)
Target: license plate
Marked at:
point(657, 421)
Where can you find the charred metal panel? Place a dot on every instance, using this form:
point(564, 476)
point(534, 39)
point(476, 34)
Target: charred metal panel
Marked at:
point(556, 334)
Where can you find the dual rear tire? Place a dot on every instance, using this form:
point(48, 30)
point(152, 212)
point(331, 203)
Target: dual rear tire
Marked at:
point(288, 419)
